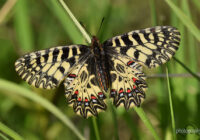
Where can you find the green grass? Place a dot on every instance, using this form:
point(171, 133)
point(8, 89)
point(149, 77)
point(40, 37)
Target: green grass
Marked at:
point(65, 21)
point(29, 113)
point(185, 20)
point(171, 106)
point(9, 132)
point(23, 26)
point(94, 121)
point(15, 89)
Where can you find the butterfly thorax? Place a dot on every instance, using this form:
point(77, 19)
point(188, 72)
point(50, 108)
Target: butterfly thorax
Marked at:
point(101, 64)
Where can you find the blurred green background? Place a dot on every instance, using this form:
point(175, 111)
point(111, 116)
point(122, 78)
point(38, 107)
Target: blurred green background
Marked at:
point(30, 25)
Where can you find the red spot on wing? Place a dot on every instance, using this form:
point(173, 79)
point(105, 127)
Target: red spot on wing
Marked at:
point(128, 90)
point(86, 100)
point(130, 62)
point(134, 79)
point(76, 92)
point(79, 99)
point(121, 90)
point(72, 75)
point(93, 97)
point(134, 87)
point(100, 93)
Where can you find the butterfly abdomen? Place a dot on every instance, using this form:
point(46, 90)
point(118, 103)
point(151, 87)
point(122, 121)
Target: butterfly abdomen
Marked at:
point(102, 73)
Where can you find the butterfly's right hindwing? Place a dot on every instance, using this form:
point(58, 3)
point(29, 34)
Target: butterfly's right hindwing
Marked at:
point(128, 83)
point(47, 68)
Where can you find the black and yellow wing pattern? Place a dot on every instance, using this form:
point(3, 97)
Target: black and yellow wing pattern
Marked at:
point(87, 71)
point(127, 82)
point(47, 68)
point(82, 89)
point(149, 47)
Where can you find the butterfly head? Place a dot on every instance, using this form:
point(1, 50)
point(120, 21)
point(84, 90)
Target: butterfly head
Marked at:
point(95, 41)
point(96, 46)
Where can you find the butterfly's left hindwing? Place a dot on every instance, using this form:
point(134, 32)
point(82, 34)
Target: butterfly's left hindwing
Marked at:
point(82, 90)
point(47, 68)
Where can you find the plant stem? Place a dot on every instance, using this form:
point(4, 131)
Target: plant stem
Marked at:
point(7, 7)
point(94, 121)
point(9, 132)
point(82, 30)
point(171, 106)
point(146, 121)
point(186, 68)
point(185, 19)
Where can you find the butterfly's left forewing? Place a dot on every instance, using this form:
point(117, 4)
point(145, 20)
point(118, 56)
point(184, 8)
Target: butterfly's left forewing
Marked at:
point(47, 68)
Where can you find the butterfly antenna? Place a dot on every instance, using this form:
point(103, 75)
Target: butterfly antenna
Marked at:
point(100, 26)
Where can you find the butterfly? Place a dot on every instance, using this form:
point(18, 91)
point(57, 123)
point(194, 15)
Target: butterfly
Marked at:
point(89, 72)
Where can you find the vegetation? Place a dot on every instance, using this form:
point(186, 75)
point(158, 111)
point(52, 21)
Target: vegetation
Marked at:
point(171, 109)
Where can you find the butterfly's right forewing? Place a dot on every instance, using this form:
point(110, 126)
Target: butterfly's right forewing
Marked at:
point(150, 47)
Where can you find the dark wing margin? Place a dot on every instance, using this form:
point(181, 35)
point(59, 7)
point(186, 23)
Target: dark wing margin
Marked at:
point(47, 68)
point(150, 47)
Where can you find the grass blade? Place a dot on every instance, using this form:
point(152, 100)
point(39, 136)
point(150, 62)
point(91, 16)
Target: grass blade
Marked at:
point(114, 115)
point(193, 65)
point(153, 13)
point(185, 19)
point(173, 18)
point(65, 21)
point(3, 137)
point(7, 86)
point(171, 106)
point(146, 121)
point(23, 26)
point(96, 130)
point(197, 4)
point(186, 68)
point(81, 29)
point(9, 132)
point(7, 7)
